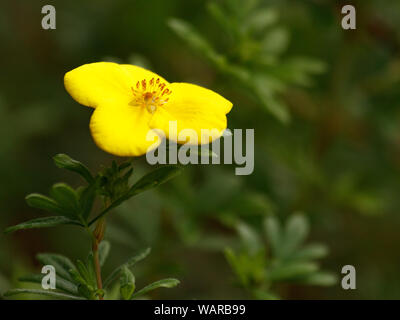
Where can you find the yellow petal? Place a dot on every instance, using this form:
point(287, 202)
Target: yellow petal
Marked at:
point(137, 74)
point(100, 82)
point(121, 130)
point(104, 82)
point(192, 107)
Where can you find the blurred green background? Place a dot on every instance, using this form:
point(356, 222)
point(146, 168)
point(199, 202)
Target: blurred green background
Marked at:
point(324, 104)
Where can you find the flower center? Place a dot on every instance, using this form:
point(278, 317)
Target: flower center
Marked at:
point(150, 94)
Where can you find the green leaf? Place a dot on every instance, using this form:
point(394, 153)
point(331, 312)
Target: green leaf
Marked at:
point(155, 178)
point(131, 262)
point(195, 41)
point(309, 252)
point(84, 272)
point(127, 175)
point(264, 295)
point(237, 267)
point(62, 264)
point(104, 250)
point(38, 201)
point(149, 181)
point(296, 230)
point(46, 222)
point(86, 292)
point(77, 278)
point(66, 162)
point(292, 271)
point(241, 74)
point(249, 237)
point(269, 101)
point(298, 70)
point(220, 16)
point(48, 293)
point(261, 19)
point(61, 284)
point(124, 165)
point(249, 268)
point(275, 41)
point(324, 279)
point(127, 283)
point(273, 233)
point(244, 7)
point(91, 269)
point(86, 200)
point(67, 198)
point(165, 283)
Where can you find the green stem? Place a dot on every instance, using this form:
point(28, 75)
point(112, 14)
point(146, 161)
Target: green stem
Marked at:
point(97, 268)
point(98, 234)
point(100, 215)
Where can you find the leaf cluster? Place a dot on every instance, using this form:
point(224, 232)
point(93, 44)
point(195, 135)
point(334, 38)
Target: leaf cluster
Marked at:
point(254, 55)
point(77, 281)
point(283, 259)
point(74, 206)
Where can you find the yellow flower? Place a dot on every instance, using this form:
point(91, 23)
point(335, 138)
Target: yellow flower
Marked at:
point(129, 101)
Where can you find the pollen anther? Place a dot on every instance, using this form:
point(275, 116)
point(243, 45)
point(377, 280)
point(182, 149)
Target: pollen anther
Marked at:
point(150, 94)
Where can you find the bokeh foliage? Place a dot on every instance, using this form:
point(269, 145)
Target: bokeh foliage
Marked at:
point(323, 102)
